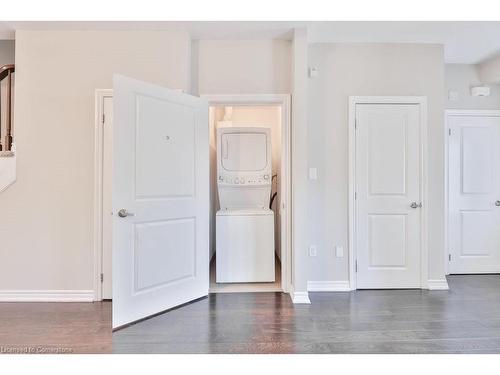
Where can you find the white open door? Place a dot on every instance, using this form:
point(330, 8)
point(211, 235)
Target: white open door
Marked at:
point(160, 199)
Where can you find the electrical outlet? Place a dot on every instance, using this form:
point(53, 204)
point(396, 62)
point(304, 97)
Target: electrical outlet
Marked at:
point(312, 251)
point(452, 95)
point(339, 251)
point(313, 173)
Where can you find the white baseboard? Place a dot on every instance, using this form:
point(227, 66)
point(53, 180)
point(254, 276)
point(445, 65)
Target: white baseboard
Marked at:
point(440, 284)
point(328, 286)
point(46, 295)
point(300, 297)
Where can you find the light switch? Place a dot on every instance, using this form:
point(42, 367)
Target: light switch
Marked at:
point(339, 251)
point(312, 251)
point(313, 72)
point(313, 173)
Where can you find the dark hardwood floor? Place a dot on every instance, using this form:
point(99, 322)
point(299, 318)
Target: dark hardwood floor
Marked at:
point(55, 327)
point(465, 319)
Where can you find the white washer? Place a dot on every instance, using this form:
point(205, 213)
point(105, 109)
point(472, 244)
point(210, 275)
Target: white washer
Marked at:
point(245, 246)
point(244, 223)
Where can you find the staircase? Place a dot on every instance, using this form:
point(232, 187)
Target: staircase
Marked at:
point(7, 147)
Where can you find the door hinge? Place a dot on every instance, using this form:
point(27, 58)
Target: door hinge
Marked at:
point(355, 124)
point(102, 277)
point(356, 266)
point(449, 131)
point(103, 118)
point(449, 257)
point(355, 195)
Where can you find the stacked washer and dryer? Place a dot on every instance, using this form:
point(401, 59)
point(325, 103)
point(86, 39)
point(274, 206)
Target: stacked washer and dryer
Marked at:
point(244, 222)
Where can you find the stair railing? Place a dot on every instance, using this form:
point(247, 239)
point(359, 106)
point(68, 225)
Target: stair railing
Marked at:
point(6, 72)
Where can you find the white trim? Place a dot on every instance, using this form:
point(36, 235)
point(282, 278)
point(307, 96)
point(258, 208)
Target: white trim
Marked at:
point(282, 100)
point(473, 112)
point(448, 114)
point(446, 195)
point(300, 297)
point(247, 99)
point(437, 284)
point(422, 102)
point(100, 94)
point(329, 286)
point(47, 295)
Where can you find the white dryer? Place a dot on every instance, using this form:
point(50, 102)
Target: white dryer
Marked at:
point(244, 223)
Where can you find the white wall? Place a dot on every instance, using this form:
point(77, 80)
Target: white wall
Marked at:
point(489, 70)
point(52, 199)
point(46, 227)
point(241, 67)
point(299, 150)
point(460, 78)
point(366, 69)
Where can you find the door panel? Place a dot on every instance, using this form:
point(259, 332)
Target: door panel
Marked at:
point(160, 155)
point(387, 150)
point(474, 187)
point(387, 182)
point(478, 233)
point(477, 160)
point(160, 137)
point(387, 241)
point(156, 259)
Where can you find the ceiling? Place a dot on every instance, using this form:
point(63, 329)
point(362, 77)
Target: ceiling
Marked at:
point(465, 42)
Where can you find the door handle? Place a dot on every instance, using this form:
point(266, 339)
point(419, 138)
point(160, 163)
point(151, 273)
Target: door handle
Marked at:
point(497, 203)
point(415, 205)
point(123, 213)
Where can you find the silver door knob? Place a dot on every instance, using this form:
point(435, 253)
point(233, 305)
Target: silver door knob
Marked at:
point(123, 213)
point(497, 203)
point(415, 205)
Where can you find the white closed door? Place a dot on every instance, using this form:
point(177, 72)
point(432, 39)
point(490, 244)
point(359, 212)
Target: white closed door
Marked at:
point(160, 199)
point(388, 196)
point(474, 194)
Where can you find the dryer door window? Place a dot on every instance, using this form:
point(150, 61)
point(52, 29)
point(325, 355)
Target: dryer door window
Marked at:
point(244, 151)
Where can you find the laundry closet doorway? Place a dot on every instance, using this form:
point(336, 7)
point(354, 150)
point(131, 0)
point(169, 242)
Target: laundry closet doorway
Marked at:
point(240, 112)
point(104, 205)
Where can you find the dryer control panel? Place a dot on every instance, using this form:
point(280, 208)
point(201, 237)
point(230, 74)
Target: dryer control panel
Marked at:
point(227, 179)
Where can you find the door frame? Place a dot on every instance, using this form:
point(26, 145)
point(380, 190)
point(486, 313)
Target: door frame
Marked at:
point(227, 100)
point(282, 100)
point(448, 114)
point(421, 101)
point(100, 95)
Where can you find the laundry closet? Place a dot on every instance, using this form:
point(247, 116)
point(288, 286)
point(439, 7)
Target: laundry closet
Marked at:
point(245, 180)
